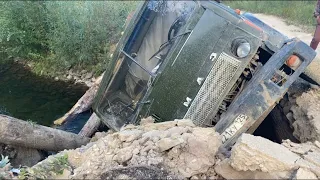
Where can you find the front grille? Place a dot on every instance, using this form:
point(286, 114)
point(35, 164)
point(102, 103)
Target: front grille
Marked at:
point(212, 90)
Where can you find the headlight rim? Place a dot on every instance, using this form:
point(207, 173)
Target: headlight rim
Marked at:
point(236, 44)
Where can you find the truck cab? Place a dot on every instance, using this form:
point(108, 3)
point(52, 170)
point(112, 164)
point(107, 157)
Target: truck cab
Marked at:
point(198, 60)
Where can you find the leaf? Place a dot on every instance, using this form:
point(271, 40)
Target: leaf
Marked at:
point(4, 161)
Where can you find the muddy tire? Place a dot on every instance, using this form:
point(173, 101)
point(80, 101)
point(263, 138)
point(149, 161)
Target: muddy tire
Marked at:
point(281, 125)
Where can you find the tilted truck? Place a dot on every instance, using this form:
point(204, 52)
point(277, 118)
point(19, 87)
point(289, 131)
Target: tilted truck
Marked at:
point(199, 60)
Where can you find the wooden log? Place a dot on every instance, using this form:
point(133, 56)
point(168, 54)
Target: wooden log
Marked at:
point(25, 134)
point(91, 126)
point(83, 104)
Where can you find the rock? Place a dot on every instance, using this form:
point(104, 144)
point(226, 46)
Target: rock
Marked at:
point(65, 175)
point(99, 135)
point(304, 174)
point(306, 114)
point(256, 153)
point(83, 72)
point(225, 170)
point(89, 75)
point(302, 163)
point(148, 120)
point(124, 155)
point(21, 156)
point(184, 151)
point(299, 149)
point(137, 172)
point(56, 78)
point(69, 77)
point(167, 143)
point(185, 123)
point(152, 134)
point(313, 157)
point(129, 135)
point(175, 131)
point(317, 143)
point(290, 117)
point(26, 157)
point(88, 83)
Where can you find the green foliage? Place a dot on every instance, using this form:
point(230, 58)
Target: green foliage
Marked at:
point(23, 28)
point(52, 166)
point(297, 12)
point(66, 33)
point(83, 30)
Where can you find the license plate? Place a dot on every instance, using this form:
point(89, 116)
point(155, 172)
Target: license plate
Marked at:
point(234, 127)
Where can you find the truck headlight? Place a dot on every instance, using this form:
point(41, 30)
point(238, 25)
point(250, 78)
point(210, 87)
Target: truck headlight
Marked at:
point(241, 48)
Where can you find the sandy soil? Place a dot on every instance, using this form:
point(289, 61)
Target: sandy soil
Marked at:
point(289, 30)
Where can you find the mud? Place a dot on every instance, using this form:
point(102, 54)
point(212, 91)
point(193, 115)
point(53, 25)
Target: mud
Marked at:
point(304, 115)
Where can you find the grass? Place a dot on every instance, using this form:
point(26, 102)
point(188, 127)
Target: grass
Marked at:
point(294, 12)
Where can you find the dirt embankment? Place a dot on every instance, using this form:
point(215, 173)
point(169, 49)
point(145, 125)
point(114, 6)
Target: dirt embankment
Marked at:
point(178, 149)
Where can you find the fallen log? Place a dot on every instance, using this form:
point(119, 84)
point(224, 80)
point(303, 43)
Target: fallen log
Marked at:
point(91, 126)
point(83, 104)
point(25, 134)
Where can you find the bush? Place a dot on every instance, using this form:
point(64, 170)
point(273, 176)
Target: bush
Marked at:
point(62, 33)
point(81, 32)
point(23, 28)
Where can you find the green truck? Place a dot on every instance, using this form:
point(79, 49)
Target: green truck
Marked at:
point(199, 60)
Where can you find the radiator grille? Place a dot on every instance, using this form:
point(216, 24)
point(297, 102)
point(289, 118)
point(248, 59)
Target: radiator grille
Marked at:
point(212, 89)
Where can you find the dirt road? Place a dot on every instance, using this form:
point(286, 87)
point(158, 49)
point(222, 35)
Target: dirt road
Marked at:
point(293, 31)
point(289, 30)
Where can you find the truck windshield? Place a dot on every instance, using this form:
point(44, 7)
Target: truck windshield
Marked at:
point(159, 25)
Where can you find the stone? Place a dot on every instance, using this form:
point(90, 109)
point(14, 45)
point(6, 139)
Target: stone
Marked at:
point(83, 72)
point(302, 163)
point(225, 170)
point(299, 148)
point(21, 156)
point(89, 75)
point(69, 77)
point(167, 143)
point(148, 120)
point(152, 134)
point(307, 117)
point(65, 175)
point(137, 172)
point(313, 157)
point(185, 123)
point(175, 131)
point(256, 153)
point(130, 135)
point(124, 155)
point(56, 78)
point(88, 83)
point(26, 157)
point(165, 125)
point(304, 174)
point(317, 143)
